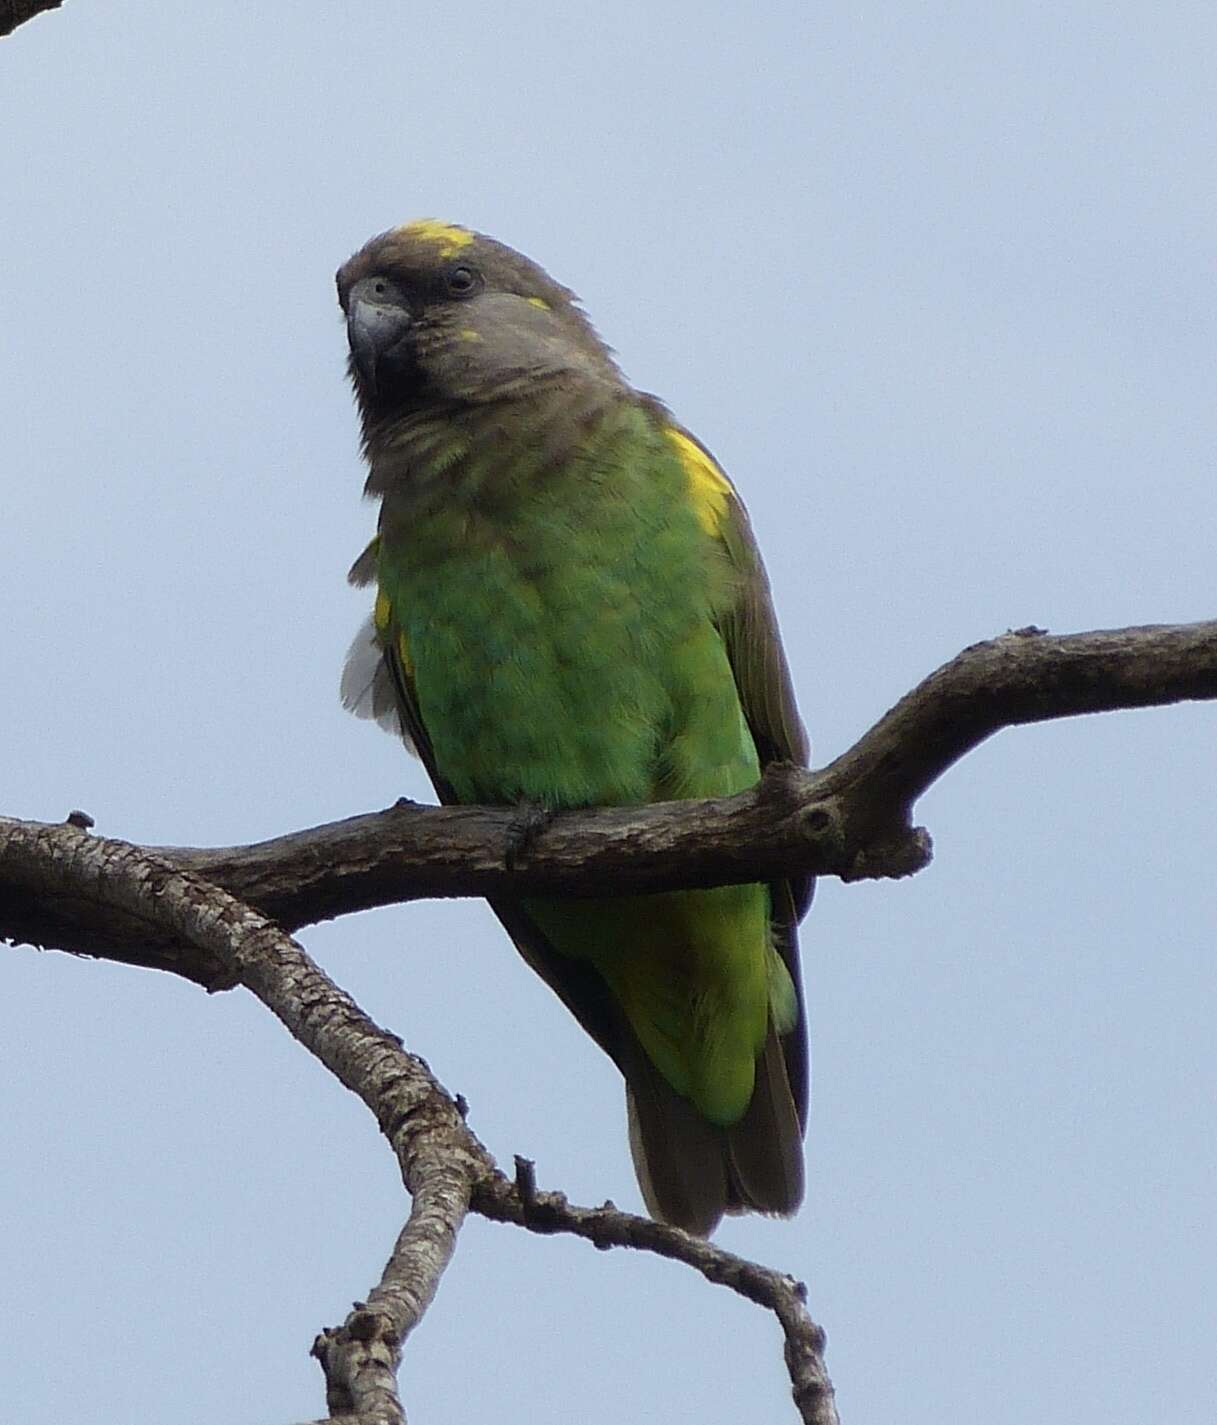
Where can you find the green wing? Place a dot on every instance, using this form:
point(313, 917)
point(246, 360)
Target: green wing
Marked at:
point(749, 629)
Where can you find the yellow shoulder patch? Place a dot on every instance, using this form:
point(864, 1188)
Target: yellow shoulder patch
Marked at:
point(403, 654)
point(382, 614)
point(382, 618)
point(447, 237)
point(538, 302)
point(708, 486)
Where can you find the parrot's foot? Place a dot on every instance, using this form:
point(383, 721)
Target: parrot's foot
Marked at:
point(530, 820)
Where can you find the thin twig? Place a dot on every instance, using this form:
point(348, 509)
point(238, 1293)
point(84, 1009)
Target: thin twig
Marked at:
point(549, 1212)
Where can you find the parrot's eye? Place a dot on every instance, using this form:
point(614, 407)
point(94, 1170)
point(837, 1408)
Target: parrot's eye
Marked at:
point(461, 280)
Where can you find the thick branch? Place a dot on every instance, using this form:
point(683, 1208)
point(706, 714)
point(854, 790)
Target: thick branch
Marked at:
point(1023, 677)
point(850, 820)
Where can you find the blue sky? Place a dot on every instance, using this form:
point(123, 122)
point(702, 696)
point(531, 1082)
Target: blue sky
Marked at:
point(935, 283)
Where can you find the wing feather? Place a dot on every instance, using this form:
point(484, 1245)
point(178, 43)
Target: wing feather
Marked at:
point(749, 630)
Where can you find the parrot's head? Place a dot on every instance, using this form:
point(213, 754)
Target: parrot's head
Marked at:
point(438, 315)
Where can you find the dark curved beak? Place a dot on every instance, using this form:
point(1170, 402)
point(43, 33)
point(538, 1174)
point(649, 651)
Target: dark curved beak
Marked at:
point(374, 328)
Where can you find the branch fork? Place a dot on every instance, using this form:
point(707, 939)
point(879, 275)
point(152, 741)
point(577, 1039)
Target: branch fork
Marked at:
point(222, 917)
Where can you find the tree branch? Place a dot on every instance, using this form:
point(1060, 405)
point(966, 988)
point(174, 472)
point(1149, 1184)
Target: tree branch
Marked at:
point(438, 1155)
point(850, 819)
point(1023, 677)
point(606, 1227)
point(60, 886)
point(17, 12)
point(444, 1166)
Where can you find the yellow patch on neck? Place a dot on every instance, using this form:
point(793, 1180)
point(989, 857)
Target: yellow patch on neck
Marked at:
point(709, 487)
point(446, 236)
point(538, 302)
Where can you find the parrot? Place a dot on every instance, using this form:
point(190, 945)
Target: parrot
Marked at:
point(570, 611)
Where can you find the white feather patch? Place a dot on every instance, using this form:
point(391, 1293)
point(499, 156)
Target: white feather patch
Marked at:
point(367, 684)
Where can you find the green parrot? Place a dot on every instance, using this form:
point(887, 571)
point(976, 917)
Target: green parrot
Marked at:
point(571, 612)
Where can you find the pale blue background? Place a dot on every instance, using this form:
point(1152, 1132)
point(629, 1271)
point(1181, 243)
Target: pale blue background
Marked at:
point(935, 283)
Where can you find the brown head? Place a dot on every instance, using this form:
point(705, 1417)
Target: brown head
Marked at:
point(440, 317)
